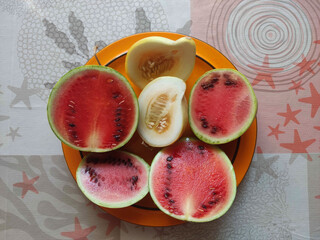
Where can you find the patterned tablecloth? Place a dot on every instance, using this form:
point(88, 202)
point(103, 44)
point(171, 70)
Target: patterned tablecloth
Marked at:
point(276, 44)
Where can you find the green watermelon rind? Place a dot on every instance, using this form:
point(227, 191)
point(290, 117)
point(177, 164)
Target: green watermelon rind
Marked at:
point(211, 140)
point(191, 219)
point(65, 78)
point(123, 204)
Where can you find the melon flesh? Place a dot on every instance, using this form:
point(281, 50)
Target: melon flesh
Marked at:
point(192, 181)
point(93, 109)
point(222, 106)
point(114, 179)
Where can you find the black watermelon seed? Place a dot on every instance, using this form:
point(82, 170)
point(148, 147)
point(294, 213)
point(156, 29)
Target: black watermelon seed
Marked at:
point(204, 125)
point(117, 119)
point(214, 80)
point(118, 124)
point(211, 202)
point(166, 195)
point(204, 206)
point(171, 201)
point(215, 129)
point(119, 130)
point(230, 83)
point(115, 95)
point(169, 158)
point(202, 119)
point(118, 110)
point(134, 179)
point(72, 125)
point(118, 114)
point(169, 166)
point(213, 193)
point(96, 180)
point(200, 147)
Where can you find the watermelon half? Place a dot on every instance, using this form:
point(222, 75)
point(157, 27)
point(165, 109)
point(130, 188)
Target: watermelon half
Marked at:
point(114, 179)
point(192, 181)
point(93, 108)
point(222, 106)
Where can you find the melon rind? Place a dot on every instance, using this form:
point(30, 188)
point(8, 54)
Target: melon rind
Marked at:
point(190, 218)
point(212, 140)
point(144, 191)
point(65, 78)
point(154, 45)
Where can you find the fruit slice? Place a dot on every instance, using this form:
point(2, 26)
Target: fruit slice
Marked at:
point(222, 106)
point(163, 111)
point(93, 108)
point(192, 181)
point(114, 180)
point(155, 56)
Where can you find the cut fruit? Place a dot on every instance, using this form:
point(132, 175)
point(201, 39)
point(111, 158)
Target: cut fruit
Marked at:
point(154, 56)
point(163, 111)
point(222, 106)
point(93, 108)
point(192, 181)
point(114, 180)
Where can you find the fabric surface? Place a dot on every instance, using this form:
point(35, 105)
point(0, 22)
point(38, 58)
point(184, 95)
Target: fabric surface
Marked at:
point(276, 44)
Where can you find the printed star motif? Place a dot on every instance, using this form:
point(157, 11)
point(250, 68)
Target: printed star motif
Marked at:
point(13, 133)
point(298, 146)
point(263, 165)
point(305, 65)
point(22, 94)
point(289, 115)
point(275, 131)
point(265, 73)
point(27, 185)
point(79, 233)
point(314, 100)
point(296, 86)
point(113, 223)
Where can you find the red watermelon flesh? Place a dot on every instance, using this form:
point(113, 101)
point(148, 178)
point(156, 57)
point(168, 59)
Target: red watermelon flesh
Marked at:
point(192, 181)
point(93, 109)
point(222, 106)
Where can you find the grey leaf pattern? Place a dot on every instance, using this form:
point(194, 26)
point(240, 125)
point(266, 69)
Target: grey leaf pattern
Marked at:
point(70, 65)
point(100, 44)
point(186, 29)
point(76, 28)
point(49, 85)
point(143, 24)
point(60, 38)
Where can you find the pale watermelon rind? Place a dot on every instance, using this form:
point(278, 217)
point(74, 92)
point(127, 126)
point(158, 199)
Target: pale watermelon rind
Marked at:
point(144, 191)
point(191, 219)
point(65, 78)
point(212, 140)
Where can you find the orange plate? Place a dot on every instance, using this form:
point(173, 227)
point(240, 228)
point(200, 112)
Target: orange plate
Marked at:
point(240, 151)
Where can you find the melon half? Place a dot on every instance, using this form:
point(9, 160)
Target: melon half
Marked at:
point(93, 108)
point(114, 179)
point(222, 106)
point(192, 181)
